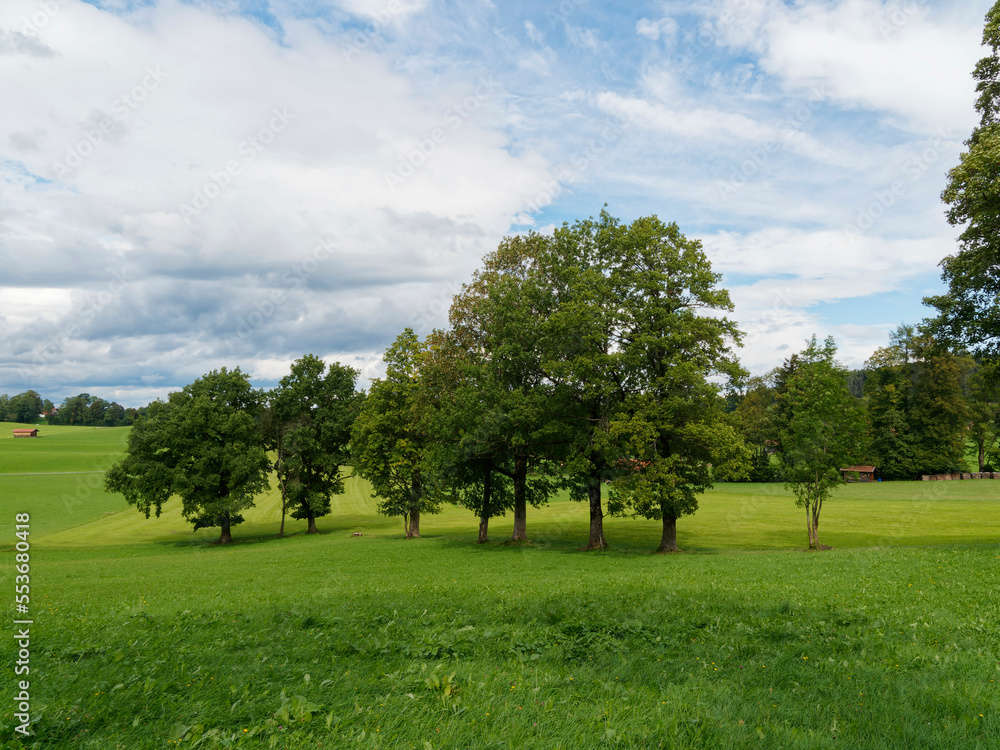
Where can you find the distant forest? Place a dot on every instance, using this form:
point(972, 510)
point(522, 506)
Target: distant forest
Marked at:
point(84, 410)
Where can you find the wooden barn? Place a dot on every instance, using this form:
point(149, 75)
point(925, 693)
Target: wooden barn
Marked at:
point(26, 432)
point(859, 474)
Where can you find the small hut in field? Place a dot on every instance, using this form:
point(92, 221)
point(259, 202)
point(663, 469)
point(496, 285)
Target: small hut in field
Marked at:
point(859, 474)
point(26, 432)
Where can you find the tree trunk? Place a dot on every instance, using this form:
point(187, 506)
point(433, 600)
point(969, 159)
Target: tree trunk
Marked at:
point(484, 528)
point(412, 519)
point(284, 499)
point(809, 529)
point(982, 455)
point(668, 543)
point(484, 514)
point(520, 499)
point(414, 529)
point(226, 536)
point(312, 526)
point(597, 540)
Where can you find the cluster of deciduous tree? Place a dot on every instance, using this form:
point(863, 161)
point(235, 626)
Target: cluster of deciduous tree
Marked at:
point(593, 357)
point(92, 411)
point(922, 407)
point(27, 407)
point(926, 404)
point(86, 410)
point(215, 442)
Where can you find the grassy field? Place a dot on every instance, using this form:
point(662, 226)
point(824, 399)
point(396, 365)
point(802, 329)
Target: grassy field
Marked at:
point(148, 636)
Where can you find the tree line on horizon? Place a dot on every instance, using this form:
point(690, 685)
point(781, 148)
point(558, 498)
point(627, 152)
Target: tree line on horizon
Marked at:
point(82, 410)
point(924, 404)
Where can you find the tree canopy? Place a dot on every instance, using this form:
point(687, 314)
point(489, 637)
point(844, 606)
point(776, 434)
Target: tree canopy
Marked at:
point(390, 438)
point(311, 413)
point(823, 432)
point(969, 313)
point(204, 445)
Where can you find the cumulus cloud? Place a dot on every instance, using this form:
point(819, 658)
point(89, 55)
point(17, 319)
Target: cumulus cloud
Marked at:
point(204, 160)
point(900, 59)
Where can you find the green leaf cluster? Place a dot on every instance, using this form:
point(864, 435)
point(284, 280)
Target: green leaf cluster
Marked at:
point(204, 445)
point(969, 313)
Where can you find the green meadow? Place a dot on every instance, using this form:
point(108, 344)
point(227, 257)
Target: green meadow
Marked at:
point(147, 635)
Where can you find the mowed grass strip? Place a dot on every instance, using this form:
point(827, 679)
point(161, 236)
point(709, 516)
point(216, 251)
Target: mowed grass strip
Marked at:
point(75, 510)
point(740, 517)
point(60, 448)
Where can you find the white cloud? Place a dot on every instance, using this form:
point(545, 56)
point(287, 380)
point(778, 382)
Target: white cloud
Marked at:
point(533, 33)
point(272, 147)
point(665, 28)
point(899, 59)
point(826, 255)
point(798, 272)
point(697, 123)
point(585, 39)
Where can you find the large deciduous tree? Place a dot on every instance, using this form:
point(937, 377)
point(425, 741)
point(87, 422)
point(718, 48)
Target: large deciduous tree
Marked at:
point(391, 437)
point(498, 322)
point(672, 347)
point(824, 428)
point(582, 360)
point(203, 444)
point(310, 418)
point(969, 313)
point(467, 459)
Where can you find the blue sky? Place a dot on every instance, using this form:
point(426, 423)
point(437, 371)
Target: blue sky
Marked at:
point(190, 185)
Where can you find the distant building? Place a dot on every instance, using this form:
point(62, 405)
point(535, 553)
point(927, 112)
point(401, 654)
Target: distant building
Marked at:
point(863, 474)
point(26, 432)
